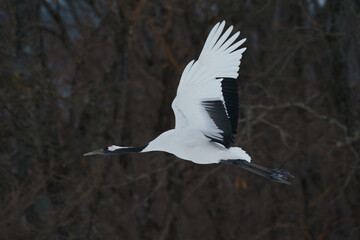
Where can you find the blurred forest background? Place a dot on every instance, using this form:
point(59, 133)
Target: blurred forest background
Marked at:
point(77, 75)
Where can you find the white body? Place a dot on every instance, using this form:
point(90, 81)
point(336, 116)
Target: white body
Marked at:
point(197, 148)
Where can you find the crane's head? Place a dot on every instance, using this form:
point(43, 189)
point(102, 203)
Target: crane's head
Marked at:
point(116, 150)
point(103, 151)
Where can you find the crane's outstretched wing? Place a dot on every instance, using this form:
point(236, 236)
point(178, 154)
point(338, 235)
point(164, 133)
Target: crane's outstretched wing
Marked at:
point(207, 96)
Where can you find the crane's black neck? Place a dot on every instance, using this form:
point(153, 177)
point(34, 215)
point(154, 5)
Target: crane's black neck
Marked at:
point(119, 151)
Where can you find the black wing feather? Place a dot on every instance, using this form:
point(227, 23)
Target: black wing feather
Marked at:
point(225, 119)
point(230, 92)
point(217, 112)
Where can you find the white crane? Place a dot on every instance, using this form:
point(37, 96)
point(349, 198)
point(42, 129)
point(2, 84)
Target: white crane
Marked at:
point(206, 110)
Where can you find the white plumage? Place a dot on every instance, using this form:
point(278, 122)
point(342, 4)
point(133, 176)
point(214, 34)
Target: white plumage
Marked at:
point(201, 81)
point(206, 109)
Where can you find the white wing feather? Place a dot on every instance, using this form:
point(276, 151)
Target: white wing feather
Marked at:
point(201, 80)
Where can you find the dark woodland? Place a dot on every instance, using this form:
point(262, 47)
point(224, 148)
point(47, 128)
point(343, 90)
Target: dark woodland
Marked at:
point(77, 75)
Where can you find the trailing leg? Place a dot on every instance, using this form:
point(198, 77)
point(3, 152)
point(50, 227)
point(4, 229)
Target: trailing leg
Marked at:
point(276, 175)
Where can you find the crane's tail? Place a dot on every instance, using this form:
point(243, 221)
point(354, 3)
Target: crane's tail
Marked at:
point(236, 153)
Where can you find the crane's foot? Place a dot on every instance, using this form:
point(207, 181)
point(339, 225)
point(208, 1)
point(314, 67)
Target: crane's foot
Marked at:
point(281, 176)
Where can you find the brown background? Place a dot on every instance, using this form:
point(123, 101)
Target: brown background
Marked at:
point(79, 75)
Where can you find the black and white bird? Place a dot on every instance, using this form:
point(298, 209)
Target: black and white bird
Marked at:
point(206, 110)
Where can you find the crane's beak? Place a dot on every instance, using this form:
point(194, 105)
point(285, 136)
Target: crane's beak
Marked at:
point(99, 151)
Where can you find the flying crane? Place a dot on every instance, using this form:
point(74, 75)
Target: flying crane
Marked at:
point(206, 110)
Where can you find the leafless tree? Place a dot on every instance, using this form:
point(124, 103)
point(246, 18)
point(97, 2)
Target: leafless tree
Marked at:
point(80, 74)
